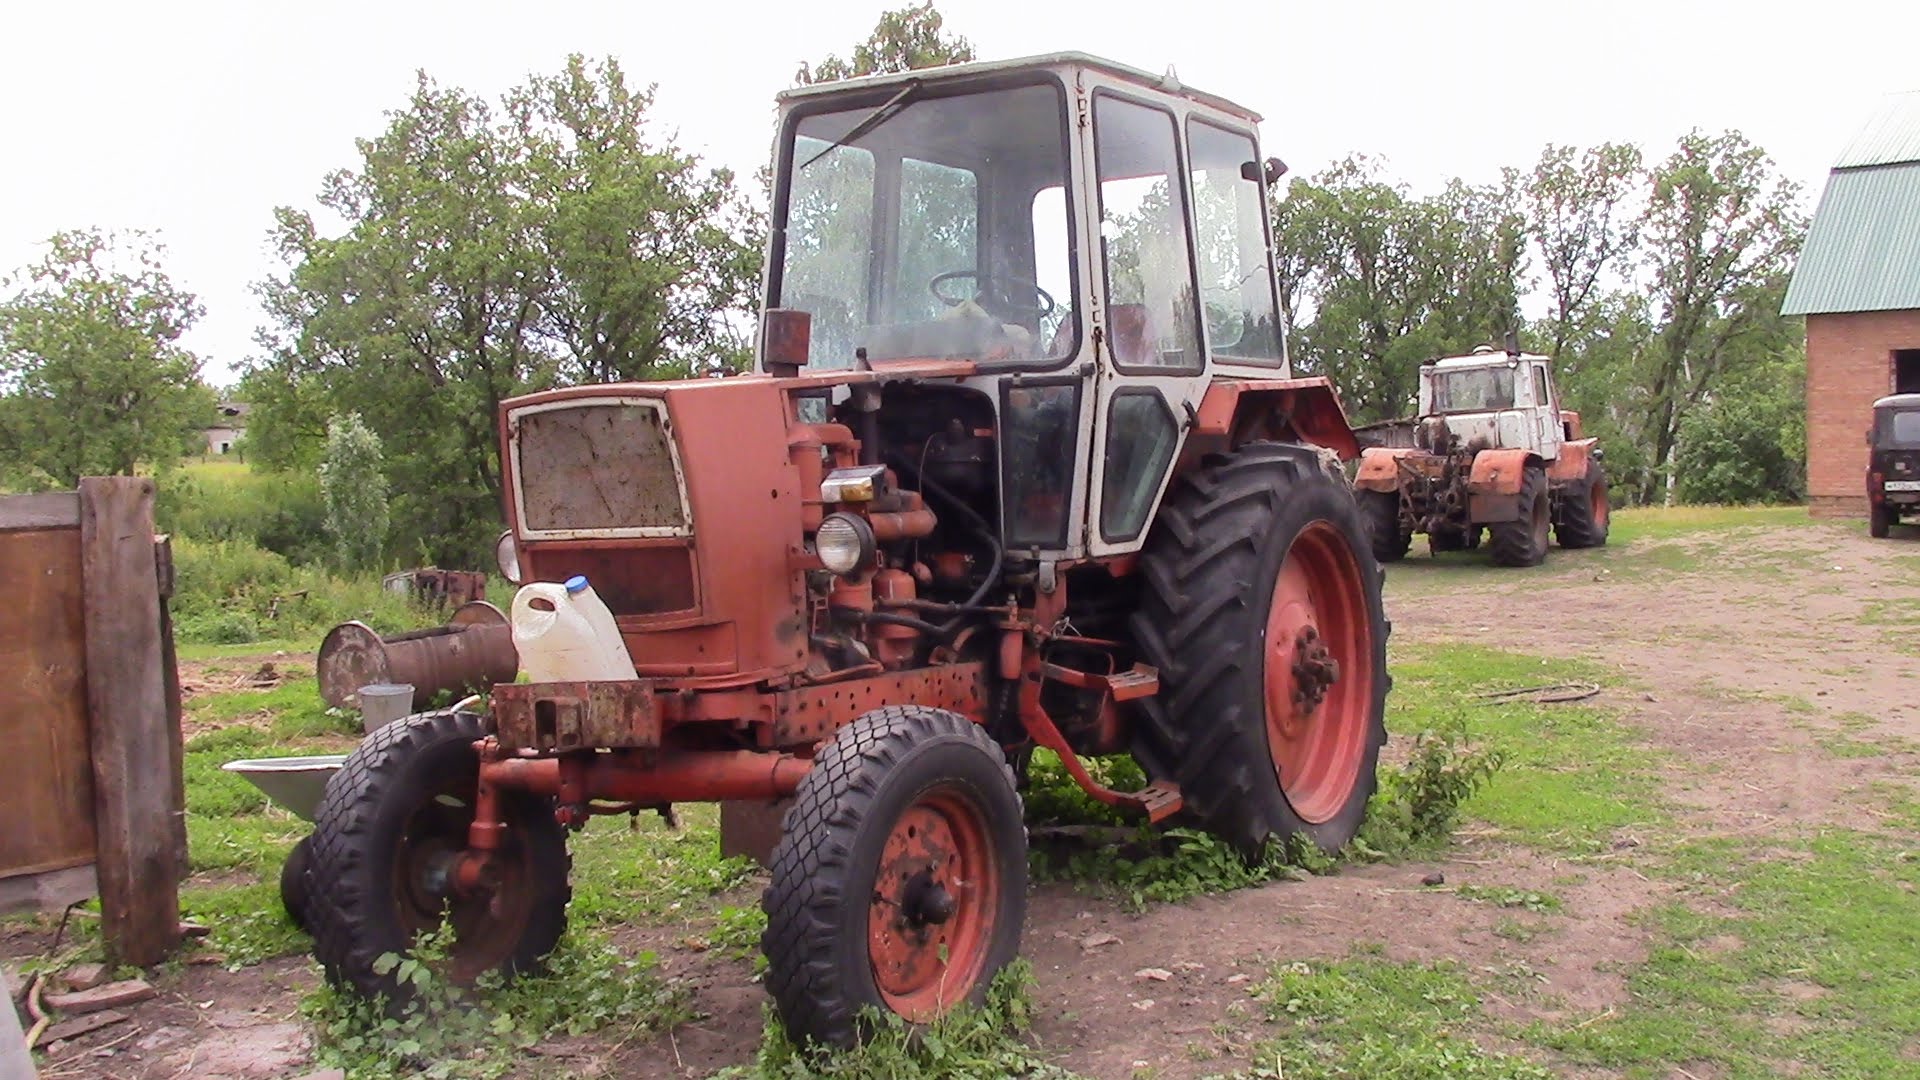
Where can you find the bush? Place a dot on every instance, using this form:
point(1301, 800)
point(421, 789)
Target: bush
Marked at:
point(356, 493)
point(1418, 804)
point(1748, 444)
point(280, 512)
point(231, 592)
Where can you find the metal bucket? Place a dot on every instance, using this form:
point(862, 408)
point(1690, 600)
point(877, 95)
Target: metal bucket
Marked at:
point(383, 703)
point(296, 783)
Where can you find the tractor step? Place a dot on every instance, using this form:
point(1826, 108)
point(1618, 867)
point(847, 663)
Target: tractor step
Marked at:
point(1142, 681)
point(1161, 800)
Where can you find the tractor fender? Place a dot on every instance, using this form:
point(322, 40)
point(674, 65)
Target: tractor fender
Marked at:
point(1573, 464)
point(1380, 468)
point(1308, 409)
point(1570, 424)
point(1498, 472)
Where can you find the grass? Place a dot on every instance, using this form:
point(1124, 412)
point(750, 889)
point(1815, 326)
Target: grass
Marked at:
point(1368, 1017)
point(1630, 524)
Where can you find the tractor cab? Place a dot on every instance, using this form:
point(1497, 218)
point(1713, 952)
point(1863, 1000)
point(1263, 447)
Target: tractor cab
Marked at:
point(1491, 398)
point(1893, 463)
point(1090, 240)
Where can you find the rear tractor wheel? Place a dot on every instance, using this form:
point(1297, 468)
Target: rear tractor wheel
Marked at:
point(1584, 511)
point(385, 846)
point(1523, 541)
point(900, 882)
point(1261, 609)
point(1380, 511)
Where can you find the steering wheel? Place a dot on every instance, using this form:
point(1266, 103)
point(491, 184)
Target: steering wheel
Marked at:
point(998, 303)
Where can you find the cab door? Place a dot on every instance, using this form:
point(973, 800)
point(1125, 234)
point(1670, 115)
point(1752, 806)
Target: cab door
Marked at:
point(1150, 354)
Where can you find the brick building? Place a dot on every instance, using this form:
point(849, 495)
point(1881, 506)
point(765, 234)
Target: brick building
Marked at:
point(1858, 284)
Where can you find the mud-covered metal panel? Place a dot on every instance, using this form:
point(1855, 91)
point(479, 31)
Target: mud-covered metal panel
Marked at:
point(597, 467)
point(560, 716)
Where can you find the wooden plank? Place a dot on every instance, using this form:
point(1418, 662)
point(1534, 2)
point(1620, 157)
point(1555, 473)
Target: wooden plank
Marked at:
point(127, 703)
point(49, 510)
point(43, 668)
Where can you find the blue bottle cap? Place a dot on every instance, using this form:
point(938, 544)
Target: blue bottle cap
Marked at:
point(577, 583)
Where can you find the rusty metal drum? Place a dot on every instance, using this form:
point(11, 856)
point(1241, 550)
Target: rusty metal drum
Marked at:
point(468, 655)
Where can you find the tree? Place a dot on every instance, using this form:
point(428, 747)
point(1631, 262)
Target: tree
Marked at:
point(1720, 236)
point(355, 490)
point(1747, 442)
point(905, 39)
point(1578, 213)
point(1384, 281)
point(93, 378)
point(488, 252)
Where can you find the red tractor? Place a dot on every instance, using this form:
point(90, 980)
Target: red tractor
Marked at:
point(1021, 466)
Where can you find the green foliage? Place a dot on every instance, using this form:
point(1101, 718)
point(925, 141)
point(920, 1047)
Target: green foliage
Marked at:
point(1365, 1016)
point(905, 39)
point(450, 1032)
point(491, 249)
point(1419, 803)
point(993, 1040)
point(93, 378)
point(229, 591)
point(1747, 442)
point(281, 512)
point(1507, 896)
point(356, 493)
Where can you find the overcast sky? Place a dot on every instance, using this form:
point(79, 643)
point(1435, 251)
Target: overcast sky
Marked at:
point(196, 119)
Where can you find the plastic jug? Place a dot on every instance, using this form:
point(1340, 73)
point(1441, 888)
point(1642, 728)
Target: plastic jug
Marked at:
point(565, 633)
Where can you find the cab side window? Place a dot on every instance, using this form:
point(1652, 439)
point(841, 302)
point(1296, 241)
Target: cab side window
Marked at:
point(1145, 251)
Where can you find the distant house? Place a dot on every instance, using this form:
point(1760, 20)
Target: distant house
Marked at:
point(225, 434)
point(1858, 284)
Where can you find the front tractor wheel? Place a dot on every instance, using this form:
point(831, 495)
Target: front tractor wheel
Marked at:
point(1523, 541)
point(385, 847)
point(1380, 512)
point(900, 882)
point(1261, 609)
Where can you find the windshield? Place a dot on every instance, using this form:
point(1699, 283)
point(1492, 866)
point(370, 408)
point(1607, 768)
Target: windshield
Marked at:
point(1900, 429)
point(1482, 389)
point(941, 231)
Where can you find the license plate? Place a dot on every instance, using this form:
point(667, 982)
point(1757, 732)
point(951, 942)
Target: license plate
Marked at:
point(1901, 485)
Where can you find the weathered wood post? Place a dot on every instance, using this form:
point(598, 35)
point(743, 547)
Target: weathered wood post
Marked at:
point(135, 764)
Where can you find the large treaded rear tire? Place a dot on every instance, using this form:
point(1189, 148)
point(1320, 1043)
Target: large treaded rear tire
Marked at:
point(1380, 511)
point(841, 875)
point(1584, 512)
point(405, 793)
point(1523, 541)
point(1210, 570)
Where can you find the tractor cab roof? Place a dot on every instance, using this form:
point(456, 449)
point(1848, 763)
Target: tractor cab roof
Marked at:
point(1483, 358)
point(1166, 84)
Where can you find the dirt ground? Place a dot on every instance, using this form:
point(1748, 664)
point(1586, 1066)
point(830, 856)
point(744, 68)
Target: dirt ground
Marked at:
point(1741, 661)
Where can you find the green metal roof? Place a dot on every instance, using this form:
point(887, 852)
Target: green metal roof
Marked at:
point(1863, 251)
point(1891, 135)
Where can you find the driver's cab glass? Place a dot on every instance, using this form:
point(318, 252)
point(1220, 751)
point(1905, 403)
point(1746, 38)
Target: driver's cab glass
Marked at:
point(912, 227)
point(1151, 310)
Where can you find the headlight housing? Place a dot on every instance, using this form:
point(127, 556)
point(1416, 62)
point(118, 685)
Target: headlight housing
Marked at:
point(506, 552)
point(844, 542)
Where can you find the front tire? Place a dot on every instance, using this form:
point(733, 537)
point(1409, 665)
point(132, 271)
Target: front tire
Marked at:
point(295, 895)
point(1380, 510)
point(1523, 541)
point(393, 821)
point(1258, 573)
point(1584, 511)
point(900, 881)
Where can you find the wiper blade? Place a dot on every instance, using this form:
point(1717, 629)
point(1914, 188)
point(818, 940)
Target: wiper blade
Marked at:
point(874, 119)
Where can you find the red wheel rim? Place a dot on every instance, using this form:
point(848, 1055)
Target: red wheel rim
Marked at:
point(935, 897)
point(489, 922)
point(1319, 673)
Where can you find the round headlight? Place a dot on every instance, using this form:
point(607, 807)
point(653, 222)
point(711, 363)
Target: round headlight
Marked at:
point(507, 554)
point(844, 542)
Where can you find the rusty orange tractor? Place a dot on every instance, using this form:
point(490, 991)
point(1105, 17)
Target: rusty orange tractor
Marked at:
point(1021, 466)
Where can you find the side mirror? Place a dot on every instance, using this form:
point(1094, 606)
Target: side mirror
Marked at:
point(1271, 170)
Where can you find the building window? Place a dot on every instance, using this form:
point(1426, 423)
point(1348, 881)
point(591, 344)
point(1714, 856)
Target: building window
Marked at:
point(1906, 371)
